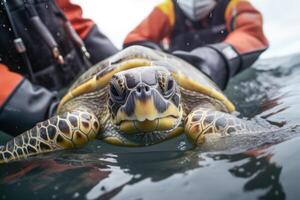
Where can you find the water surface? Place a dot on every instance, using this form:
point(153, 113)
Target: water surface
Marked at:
point(264, 166)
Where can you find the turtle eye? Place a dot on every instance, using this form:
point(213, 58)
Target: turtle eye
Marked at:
point(167, 86)
point(170, 84)
point(117, 91)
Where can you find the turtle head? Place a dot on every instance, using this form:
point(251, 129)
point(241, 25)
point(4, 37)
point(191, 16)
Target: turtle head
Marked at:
point(145, 105)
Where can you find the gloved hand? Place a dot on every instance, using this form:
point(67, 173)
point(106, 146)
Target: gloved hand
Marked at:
point(145, 43)
point(219, 61)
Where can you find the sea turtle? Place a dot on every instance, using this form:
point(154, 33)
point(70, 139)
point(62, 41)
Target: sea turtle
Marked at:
point(137, 97)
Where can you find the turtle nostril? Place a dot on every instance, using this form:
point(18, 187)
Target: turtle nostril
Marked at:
point(147, 88)
point(142, 89)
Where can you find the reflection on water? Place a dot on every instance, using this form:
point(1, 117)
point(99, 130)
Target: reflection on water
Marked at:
point(259, 172)
point(241, 167)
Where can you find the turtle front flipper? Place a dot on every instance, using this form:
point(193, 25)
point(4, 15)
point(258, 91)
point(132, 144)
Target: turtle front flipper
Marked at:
point(203, 121)
point(65, 131)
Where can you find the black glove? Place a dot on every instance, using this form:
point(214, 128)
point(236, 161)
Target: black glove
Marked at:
point(145, 43)
point(219, 61)
point(28, 105)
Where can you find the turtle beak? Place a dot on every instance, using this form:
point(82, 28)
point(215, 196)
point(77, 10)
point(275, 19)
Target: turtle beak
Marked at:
point(144, 106)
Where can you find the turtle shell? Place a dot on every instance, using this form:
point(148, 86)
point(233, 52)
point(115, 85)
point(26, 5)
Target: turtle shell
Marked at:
point(186, 75)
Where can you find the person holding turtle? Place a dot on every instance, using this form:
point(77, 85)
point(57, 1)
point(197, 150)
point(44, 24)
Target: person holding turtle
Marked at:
point(140, 96)
point(44, 46)
point(219, 37)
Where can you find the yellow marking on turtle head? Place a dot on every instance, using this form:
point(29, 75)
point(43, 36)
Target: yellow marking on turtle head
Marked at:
point(128, 127)
point(145, 109)
point(167, 123)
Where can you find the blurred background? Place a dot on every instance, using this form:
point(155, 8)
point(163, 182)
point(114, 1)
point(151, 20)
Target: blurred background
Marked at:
point(117, 17)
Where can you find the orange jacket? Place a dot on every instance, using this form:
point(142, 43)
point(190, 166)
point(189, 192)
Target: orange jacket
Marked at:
point(10, 80)
point(243, 22)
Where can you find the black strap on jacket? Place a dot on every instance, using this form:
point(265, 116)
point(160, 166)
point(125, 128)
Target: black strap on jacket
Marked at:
point(56, 53)
point(19, 44)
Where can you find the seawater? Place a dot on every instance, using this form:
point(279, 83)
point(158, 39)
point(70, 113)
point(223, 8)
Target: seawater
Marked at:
point(262, 166)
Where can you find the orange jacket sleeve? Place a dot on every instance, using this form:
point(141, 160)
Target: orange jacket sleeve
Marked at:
point(156, 26)
point(245, 27)
point(8, 82)
point(73, 13)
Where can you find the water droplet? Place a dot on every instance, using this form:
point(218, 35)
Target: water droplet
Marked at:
point(4, 25)
point(182, 146)
point(217, 158)
point(241, 170)
point(9, 29)
point(46, 6)
point(76, 195)
point(137, 176)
